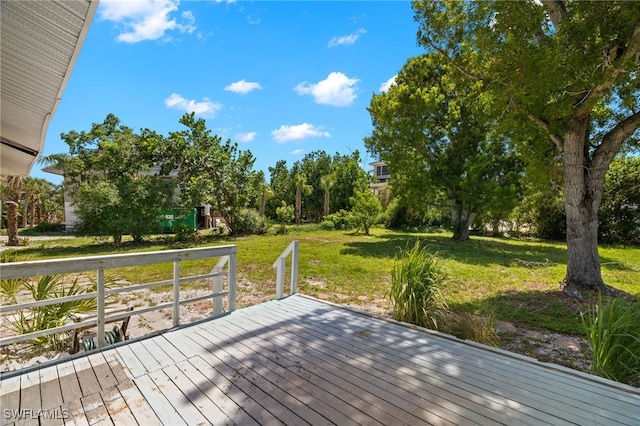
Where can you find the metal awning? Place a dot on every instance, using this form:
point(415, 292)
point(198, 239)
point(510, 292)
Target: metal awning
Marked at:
point(39, 44)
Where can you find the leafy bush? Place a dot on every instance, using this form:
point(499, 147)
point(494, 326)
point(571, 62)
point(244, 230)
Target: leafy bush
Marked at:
point(46, 227)
point(399, 216)
point(184, 233)
point(342, 220)
point(613, 329)
point(285, 213)
point(416, 282)
point(249, 222)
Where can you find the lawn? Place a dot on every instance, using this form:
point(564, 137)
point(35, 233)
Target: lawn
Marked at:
point(516, 279)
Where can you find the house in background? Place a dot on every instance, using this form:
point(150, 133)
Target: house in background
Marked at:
point(381, 174)
point(200, 217)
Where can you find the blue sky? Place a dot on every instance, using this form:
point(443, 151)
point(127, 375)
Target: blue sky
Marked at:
point(280, 78)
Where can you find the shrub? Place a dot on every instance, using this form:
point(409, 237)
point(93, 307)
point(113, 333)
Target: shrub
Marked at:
point(613, 329)
point(248, 222)
point(50, 316)
point(416, 283)
point(467, 325)
point(46, 227)
point(184, 233)
point(342, 220)
point(285, 213)
point(398, 215)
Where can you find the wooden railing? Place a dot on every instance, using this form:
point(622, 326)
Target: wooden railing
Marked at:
point(227, 255)
point(281, 263)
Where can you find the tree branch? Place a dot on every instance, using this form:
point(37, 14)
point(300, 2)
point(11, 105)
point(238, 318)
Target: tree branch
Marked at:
point(438, 206)
point(613, 140)
point(454, 63)
point(557, 11)
point(545, 126)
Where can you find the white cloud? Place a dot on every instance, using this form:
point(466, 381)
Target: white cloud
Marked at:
point(384, 87)
point(298, 132)
point(336, 90)
point(246, 137)
point(297, 152)
point(243, 87)
point(141, 20)
point(206, 108)
point(346, 40)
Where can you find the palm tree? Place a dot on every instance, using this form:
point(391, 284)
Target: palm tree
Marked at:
point(265, 193)
point(11, 197)
point(300, 180)
point(326, 182)
point(30, 187)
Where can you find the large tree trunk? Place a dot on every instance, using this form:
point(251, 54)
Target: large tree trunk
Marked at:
point(298, 204)
point(325, 210)
point(263, 203)
point(12, 223)
point(461, 220)
point(26, 208)
point(583, 187)
point(11, 194)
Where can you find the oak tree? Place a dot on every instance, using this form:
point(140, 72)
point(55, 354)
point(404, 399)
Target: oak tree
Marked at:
point(569, 68)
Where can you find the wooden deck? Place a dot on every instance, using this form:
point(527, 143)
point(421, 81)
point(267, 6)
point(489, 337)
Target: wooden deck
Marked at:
point(301, 361)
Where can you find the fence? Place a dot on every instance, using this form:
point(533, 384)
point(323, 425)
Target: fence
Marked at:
point(227, 255)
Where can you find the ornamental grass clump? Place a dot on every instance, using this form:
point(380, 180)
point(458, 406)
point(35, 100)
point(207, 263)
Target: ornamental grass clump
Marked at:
point(416, 281)
point(613, 329)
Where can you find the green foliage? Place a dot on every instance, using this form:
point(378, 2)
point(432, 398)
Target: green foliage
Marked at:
point(341, 220)
point(285, 213)
point(398, 215)
point(566, 71)
point(184, 233)
point(9, 289)
point(469, 326)
point(328, 178)
point(365, 207)
point(210, 171)
point(441, 147)
point(110, 176)
point(47, 227)
point(416, 282)
point(55, 315)
point(613, 329)
point(619, 216)
point(249, 222)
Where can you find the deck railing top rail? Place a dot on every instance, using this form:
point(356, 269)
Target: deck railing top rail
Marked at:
point(80, 264)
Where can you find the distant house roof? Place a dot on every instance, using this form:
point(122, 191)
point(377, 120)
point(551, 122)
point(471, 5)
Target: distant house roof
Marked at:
point(39, 44)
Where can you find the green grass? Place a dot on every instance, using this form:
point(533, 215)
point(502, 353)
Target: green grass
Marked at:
point(613, 329)
point(516, 279)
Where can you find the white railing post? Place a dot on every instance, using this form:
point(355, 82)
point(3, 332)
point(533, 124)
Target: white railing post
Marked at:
point(294, 268)
point(282, 263)
point(101, 304)
point(176, 293)
point(232, 279)
point(217, 284)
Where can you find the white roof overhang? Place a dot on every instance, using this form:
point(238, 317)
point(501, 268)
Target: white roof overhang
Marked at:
point(39, 44)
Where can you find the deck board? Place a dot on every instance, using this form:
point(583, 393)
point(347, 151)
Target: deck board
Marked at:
point(333, 349)
point(301, 361)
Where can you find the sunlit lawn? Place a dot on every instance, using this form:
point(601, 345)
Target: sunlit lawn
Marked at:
point(517, 279)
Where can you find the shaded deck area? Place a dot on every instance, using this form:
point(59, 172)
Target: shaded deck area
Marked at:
point(301, 361)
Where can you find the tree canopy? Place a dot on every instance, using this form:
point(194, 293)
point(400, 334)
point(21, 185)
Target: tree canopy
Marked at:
point(440, 146)
point(110, 175)
point(569, 69)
